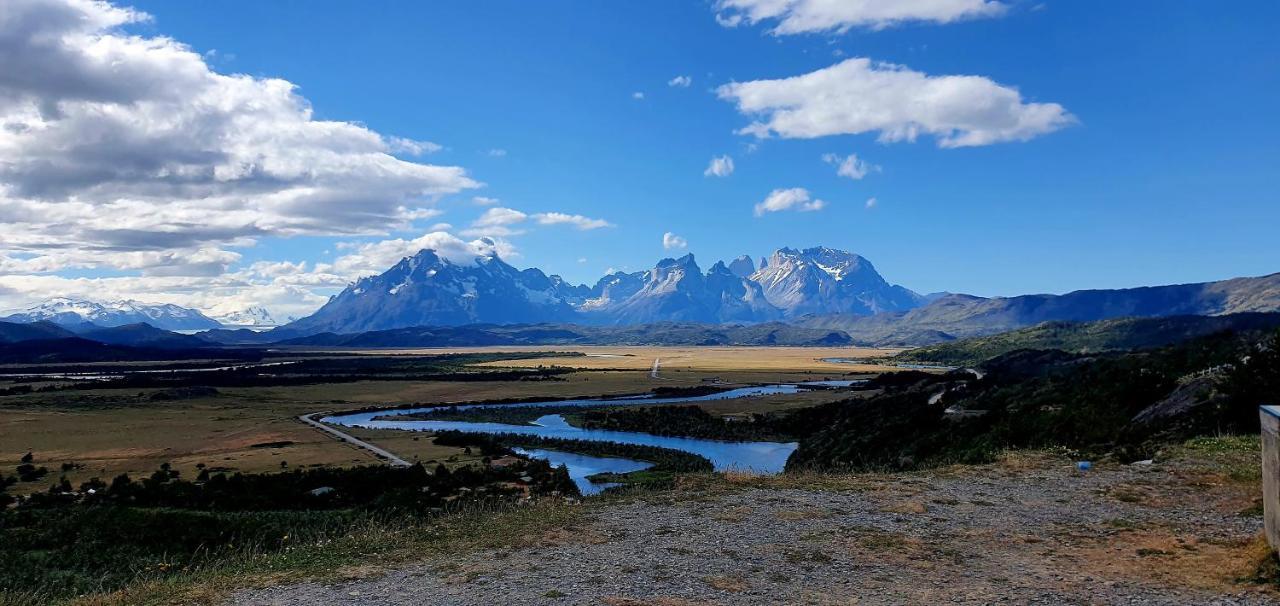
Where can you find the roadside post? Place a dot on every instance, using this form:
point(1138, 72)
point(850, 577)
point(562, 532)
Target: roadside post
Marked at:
point(1270, 416)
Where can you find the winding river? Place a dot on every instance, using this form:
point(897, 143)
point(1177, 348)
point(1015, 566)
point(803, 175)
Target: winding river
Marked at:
point(756, 457)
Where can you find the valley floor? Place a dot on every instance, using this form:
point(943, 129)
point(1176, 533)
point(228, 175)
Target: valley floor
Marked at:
point(1028, 530)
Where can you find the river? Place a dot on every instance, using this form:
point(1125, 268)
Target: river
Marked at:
point(756, 457)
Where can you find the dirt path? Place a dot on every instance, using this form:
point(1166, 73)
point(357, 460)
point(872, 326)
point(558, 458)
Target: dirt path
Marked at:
point(1022, 532)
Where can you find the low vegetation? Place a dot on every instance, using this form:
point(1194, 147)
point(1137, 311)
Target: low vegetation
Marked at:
point(104, 536)
point(1120, 334)
point(1123, 404)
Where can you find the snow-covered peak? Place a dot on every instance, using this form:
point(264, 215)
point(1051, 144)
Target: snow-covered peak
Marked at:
point(249, 317)
point(71, 311)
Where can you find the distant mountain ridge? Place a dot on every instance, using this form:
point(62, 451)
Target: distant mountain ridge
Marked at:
point(429, 290)
point(70, 312)
point(961, 316)
point(665, 333)
point(1090, 337)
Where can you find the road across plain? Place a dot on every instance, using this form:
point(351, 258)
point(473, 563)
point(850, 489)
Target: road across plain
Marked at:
point(386, 455)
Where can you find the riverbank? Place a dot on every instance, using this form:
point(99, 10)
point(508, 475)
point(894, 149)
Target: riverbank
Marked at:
point(1028, 529)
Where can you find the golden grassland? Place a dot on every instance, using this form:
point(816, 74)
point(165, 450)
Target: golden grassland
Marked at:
point(110, 432)
point(707, 359)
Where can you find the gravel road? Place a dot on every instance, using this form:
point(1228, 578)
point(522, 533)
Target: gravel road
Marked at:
point(1017, 533)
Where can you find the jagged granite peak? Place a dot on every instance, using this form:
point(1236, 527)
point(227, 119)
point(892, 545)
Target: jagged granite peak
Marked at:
point(742, 267)
point(68, 311)
point(737, 298)
point(613, 288)
point(823, 280)
point(428, 289)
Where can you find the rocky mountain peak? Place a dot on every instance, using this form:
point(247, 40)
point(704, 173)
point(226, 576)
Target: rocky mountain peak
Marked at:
point(743, 266)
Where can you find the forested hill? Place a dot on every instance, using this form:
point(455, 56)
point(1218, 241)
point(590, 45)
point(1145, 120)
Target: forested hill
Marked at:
point(1086, 337)
point(1126, 405)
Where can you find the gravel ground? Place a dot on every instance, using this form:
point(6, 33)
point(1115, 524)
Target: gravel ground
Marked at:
point(1032, 532)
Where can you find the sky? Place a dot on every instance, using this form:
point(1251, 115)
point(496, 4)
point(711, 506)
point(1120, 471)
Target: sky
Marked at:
point(227, 154)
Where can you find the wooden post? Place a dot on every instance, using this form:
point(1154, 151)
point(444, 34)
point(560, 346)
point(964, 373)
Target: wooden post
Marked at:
point(1270, 416)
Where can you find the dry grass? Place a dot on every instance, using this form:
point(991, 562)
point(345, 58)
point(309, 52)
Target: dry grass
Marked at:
point(730, 583)
point(363, 554)
point(136, 436)
point(685, 359)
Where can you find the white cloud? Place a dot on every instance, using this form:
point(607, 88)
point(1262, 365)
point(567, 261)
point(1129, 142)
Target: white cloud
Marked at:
point(375, 257)
point(850, 166)
point(720, 166)
point(496, 222)
point(118, 150)
point(500, 216)
point(872, 203)
point(484, 201)
point(680, 81)
point(637, 95)
point(416, 214)
point(500, 222)
point(671, 241)
point(497, 153)
point(578, 221)
point(582, 259)
point(796, 198)
point(857, 96)
point(412, 147)
point(814, 16)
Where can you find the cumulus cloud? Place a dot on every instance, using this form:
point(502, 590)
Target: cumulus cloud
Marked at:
point(796, 198)
point(375, 257)
point(115, 144)
point(814, 16)
point(858, 96)
point(484, 201)
point(680, 82)
point(721, 166)
point(850, 166)
point(671, 241)
point(872, 203)
point(497, 153)
point(637, 95)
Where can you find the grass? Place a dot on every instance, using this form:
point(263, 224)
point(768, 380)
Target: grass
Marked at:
point(1237, 457)
point(360, 551)
point(109, 432)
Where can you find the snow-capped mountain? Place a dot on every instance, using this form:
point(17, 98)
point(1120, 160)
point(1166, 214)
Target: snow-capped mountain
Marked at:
point(427, 289)
point(677, 290)
point(824, 280)
point(248, 317)
point(67, 311)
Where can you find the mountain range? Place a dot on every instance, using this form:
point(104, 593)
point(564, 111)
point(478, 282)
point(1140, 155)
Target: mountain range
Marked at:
point(956, 316)
point(821, 290)
point(69, 312)
point(430, 290)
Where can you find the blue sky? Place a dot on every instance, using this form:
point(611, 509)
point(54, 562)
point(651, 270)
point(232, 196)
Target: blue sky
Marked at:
point(1167, 172)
